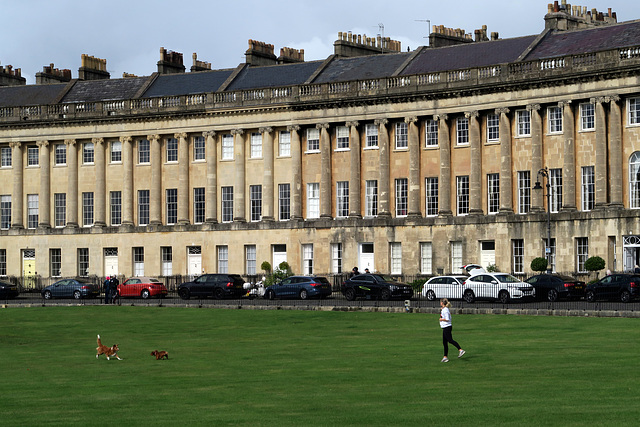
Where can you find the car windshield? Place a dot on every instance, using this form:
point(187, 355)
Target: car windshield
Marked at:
point(506, 278)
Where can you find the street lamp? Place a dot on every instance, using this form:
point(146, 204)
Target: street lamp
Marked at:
point(545, 173)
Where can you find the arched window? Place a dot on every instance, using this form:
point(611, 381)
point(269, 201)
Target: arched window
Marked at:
point(634, 180)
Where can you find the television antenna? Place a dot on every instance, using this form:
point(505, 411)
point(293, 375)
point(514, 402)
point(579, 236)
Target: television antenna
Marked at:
point(428, 21)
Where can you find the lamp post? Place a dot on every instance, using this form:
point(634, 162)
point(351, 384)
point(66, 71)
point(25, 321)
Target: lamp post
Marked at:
point(545, 173)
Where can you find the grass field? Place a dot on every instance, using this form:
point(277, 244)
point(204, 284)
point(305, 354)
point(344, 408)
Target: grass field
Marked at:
point(264, 368)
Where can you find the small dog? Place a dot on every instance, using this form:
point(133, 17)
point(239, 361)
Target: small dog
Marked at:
point(160, 354)
point(107, 351)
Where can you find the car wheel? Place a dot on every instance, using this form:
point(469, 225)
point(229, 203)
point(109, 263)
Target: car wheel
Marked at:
point(385, 295)
point(145, 294)
point(184, 293)
point(625, 296)
point(77, 294)
point(350, 294)
point(590, 296)
point(47, 295)
point(431, 296)
point(469, 296)
point(503, 296)
point(552, 295)
point(270, 295)
point(304, 294)
point(218, 293)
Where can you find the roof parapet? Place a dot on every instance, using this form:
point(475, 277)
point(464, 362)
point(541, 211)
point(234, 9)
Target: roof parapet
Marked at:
point(92, 68)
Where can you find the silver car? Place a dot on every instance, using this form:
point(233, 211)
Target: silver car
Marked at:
point(500, 286)
point(449, 287)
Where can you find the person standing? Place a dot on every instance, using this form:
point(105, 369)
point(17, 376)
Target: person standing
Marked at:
point(445, 324)
point(106, 287)
point(113, 284)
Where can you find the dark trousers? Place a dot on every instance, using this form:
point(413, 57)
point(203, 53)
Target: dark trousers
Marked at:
point(106, 296)
point(447, 338)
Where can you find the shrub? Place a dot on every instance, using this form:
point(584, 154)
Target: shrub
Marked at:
point(539, 264)
point(594, 263)
point(281, 272)
point(417, 284)
point(266, 267)
point(492, 268)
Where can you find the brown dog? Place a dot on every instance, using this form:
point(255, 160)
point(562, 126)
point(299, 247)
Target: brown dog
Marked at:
point(107, 351)
point(160, 354)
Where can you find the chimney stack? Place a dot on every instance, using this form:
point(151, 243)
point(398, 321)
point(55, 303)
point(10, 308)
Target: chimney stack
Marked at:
point(51, 75)
point(93, 68)
point(170, 62)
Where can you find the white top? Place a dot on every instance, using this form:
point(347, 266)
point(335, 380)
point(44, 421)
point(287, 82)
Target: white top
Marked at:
point(445, 314)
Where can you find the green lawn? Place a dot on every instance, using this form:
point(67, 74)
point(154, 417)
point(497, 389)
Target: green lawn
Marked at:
point(297, 368)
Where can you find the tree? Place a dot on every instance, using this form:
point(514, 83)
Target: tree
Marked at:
point(539, 264)
point(281, 272)
point(594, 263)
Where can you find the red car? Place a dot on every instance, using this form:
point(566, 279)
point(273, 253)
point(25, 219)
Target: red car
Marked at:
point(144, 287)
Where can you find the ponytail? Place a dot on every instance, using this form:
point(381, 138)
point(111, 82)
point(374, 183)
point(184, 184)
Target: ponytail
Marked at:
point(445, 302)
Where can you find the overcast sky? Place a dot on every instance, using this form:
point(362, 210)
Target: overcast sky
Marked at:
point(129, 33)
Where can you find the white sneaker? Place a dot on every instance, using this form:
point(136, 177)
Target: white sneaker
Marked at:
point(444, 359)
point(461, 353)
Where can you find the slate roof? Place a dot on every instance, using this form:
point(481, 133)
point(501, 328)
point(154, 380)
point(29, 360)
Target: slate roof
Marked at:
point(187, 83)
point(15, 96)
point(469, 55)
point(362, 67)
point(575, 42)
point(274, 75)
point(104, 90)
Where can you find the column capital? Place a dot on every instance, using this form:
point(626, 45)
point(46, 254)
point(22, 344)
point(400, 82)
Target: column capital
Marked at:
point(209, 133)
point(237, 131)
point(533, 107)
point(293, 128)
point(69, 142)
point(565, 103)
point(352, 124)
point(440, 117)
point(410, 119)
point(99, 141)
point(153, 137)
point(321, 126)
point(503, 110)
point(126, 139)
point(470, 114)
point(266, 129)
point(612, 98)
point(381, 122)
point(15, 144)
point(180, 135)
point(42, 143)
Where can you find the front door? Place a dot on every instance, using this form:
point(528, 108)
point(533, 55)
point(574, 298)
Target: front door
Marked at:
point(195, 261)
point(366, 257)
point(110, 262)
point(29, 268)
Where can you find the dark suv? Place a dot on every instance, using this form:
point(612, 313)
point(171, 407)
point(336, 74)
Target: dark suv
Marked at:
point(622, 287)
point(213, 285)
point(375, 286)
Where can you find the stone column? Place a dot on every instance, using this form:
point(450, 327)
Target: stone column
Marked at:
point(325, 171)
point(155, 191)
point(355, 204)
point(100, 192)
point(45, 185)
point(239, 190)
point(72, 183)
point(475, 175)
point(413, 206)
point(385, 172)
point(127, 180)
point(267, 185)
point(183, 178)
point(601, 154)
point(506, 181)
point(536, 156)
point(17, 195)
point(615, 153)
point(296, 165)
point(569, 164)
point(444, 182)
point(211, 192)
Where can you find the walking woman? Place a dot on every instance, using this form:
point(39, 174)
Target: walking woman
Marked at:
point(445, 324)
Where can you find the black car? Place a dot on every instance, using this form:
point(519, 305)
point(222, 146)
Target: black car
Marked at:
point(213, 285)
point(375, 286)
point(302, 287)
point(555, 286)
point(8, 290)
point(621, 287)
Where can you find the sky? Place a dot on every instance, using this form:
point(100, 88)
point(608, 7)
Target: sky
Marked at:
point(130, 33)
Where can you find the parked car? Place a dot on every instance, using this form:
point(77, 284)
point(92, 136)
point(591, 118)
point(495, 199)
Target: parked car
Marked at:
point(8, 290)
point(619, 286)
point(144, 287)
point(302, 287)
point(375, 286)
point(472, 269)
point(213, 285)
point(500, 286)
point(555, 286)
point(71, 288)
point(449, 287)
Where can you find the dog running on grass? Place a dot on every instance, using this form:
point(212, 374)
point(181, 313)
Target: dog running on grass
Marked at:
point(160, 354)
point(107, 351)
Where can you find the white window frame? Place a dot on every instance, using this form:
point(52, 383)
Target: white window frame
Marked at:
point(251, 258)
point(524, 192)
point(226, 201)
point(222, 252)
point(426, 258)
point(555, 188)
point(5, 157)
point(313, 140)
point(88, 217)
point(462, 131)
point(493, 127)
point(313, 200)
point(395, 252)
point(633, 108)
point(116, 152)
point(456, 257)
point(171, 202)
point(60, 154)
point(138, 261)
point(587, 117)
point(199, 148)
point(256, 145)
point(199, 205)
point(227, 147)
point(5, 211)
point(371, 134)
point(402, 197)
point(32, 211)
point(143, 207)
point(493, 193)
point(371, 198)
point(588, 186)
point(115, 208)
point(582, 253)
point(462, 195)
point(172, 150)
point(523, 123)
point(284, 144)
point(166, 252)
point(517, 255)
point(307, 259)
point(255, 201)
point(83, 262)
point(554, 120)
point(634, 180)
point(401, 136)
point(431, 133)
point(431, 196)
point(342, 199)
point(55, 262)
point(336, 258)
point(88, 153)
point(33, 156)
point(144, 151)
point(342, 137)
point(284, 202)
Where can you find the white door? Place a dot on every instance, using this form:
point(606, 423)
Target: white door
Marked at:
point(487, 253)
point(279, 255)
point(195, 264)
point(110, 261)
point(366, 257)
